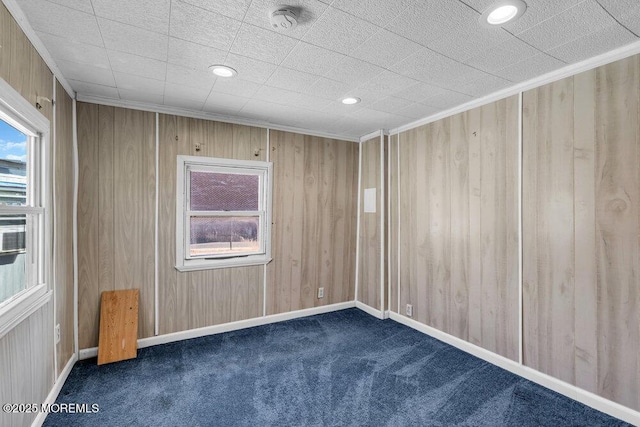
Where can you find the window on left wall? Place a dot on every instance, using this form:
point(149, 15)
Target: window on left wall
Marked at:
point(23, 209)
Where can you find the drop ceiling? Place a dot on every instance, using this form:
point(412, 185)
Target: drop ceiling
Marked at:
point(406, 59)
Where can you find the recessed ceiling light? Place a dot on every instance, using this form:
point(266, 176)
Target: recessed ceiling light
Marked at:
point(350, 100)
point(501, 12)
point(223, 71)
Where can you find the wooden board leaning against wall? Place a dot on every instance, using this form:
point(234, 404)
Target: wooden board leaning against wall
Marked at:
point(458, 222)
point(581, 223)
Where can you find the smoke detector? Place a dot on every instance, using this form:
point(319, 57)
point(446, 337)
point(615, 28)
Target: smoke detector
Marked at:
point(283, 18)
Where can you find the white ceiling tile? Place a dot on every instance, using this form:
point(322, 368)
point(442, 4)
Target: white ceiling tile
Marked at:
point(289, 79)
point(152, 15)
point(417, 110)
point(144, 97)
point(129, 82)
point(574, 23)
point(203, 79)
point(328, 89)
point(530, 68)
point(118, 36)
point(81, 5)
point(372, 116)
point(138, 65)
point(175, 91)
point(419, 92)
point(353, 71)
point(539, 11)
point(374, 11)
point(222, 103)
point(626, 12)
point(71, 24)
point(390, 104)
point(308, 12)
point(93, 89)
point(193, 55)
point(312, 59)
point(339, 31)
point(250, 69)
point(201, 26)
point(388, 82)
point(86, 73)
point(276, 95)
point(466, 42)
point(484, 86)
point(261, 44)
point(184, 103)
point(312, 102)
point(236, 86)
point(594, 44)
point(447, 100)
point(435, 69)
point(235, 9)
point(503, 55)
point(385, 49)
point(67, 50)
point(258, 109)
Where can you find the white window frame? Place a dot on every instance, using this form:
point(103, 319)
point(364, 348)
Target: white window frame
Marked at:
point(185, 262)
point(19, 113)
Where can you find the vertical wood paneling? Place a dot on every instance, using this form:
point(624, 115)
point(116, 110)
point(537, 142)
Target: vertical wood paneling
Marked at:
point(313, 237)
point(116, 209)
point(581, 224)
point(459, 227)
point(370, 231)
point(26, 363)
point(63, 227)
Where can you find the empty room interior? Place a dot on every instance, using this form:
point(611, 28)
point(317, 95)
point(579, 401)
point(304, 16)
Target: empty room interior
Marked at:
point(319, 212)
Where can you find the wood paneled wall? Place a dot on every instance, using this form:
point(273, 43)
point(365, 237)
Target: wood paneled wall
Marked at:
point(581, 183)
point(370, 229)
point(63, 226)
point(314, 218)
point(191, 300)
point(26, 365)
point(458, 232)
point(116, 212)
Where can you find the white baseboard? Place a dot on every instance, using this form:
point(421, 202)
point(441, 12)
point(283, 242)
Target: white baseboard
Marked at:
point(228, 327)
point(569, 390)
point(370, 310)
point(55, 391)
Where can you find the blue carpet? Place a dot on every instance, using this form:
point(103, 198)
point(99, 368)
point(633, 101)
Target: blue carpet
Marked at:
point(338, 369)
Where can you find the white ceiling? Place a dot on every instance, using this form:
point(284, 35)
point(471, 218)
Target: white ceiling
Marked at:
point(406, 59)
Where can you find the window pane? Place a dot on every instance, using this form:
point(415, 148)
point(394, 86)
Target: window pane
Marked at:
point(212, 236)
point(13, 276)
point(224, 192)
point(13, 166)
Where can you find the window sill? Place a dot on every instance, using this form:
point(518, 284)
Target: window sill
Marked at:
point(197, 265)
point(22, 307)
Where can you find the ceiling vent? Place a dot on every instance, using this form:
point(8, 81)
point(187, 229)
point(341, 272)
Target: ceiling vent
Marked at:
point(283, 18)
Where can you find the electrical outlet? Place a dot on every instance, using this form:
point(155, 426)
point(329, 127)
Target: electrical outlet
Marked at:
point(57, 333)
point(409, 310)
point(320, 292)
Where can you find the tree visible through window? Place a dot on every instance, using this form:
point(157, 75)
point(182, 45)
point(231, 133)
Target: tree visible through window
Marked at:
point(225, 209)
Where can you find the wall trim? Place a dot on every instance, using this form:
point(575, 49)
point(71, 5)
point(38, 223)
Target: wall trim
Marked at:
point(23, 23)
point(228, 327)
point(374, 134)
point(568, 71)
point(590, 399)
point(371, 311)
point(55, 390)
point(76, 172)
point(165, 109)
point(382, 221)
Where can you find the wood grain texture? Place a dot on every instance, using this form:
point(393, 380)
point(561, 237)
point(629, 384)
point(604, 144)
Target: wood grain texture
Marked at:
point(313, 236)
point(116, 208)
point(581, 230)
point(118, 326)
point(370, 230)
point(26, 363)
point(63, 226)
point(458, 225)
point(196, 299)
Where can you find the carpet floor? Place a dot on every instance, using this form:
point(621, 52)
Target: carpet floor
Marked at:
point(338, 369)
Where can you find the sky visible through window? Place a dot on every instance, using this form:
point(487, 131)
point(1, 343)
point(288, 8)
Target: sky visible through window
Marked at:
point(13, 143)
